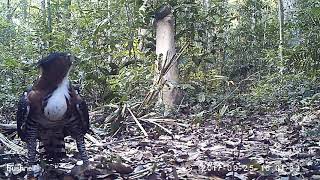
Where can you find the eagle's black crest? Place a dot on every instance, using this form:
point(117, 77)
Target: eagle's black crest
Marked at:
point(50, 58)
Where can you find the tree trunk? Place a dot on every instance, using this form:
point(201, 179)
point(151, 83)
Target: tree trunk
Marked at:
point(49, 23)
point(165, 50)
point(66, 21)
point(280, 15)
point(9, 11)
point(67, 4)
point(43, 45)
point(289, 9)
point(142, 32)
point(43, 10)
point(109, 31)
point(25, 9)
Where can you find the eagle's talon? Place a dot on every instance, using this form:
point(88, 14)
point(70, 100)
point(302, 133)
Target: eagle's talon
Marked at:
point(34, 171)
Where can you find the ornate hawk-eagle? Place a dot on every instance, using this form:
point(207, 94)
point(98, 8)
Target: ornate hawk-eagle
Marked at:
point(51, 110)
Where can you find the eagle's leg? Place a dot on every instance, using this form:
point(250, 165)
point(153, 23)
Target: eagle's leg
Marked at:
point(82, 149)
point(31, 147)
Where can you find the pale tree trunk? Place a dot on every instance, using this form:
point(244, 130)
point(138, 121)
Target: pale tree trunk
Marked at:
point(25, 10)
point(141, 37)
point(280, 16)
point(253, 25)
point(43, 43)
point(142, 32)
point(265, 16)
point(206, 4)
point(289, 10)
point(109, 31)
point(66, 18)
point(9, 10)
point(43, 10)
point(67, 15)
point(165, 50)
point(49, 22)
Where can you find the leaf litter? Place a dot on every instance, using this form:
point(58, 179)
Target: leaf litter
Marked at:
point(271, 146)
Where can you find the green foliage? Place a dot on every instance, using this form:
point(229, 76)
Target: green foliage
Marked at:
point(303, 53)
point(286, 91)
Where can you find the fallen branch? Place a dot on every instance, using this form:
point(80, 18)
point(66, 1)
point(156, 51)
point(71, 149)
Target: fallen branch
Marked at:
point(169, 121)
point(92, 139)
point(113, 115)
point(151, 114)
point(157, 124)
point(94, 113)
point(119, 141)
point(8, 126)
point(11, 145)
point(142, 173)
point(138, 123)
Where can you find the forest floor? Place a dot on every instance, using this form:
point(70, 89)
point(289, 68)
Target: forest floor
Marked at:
point(277, 145)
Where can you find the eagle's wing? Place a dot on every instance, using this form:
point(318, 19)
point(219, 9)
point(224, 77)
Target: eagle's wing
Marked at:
point(22, 115)
point(82, 110)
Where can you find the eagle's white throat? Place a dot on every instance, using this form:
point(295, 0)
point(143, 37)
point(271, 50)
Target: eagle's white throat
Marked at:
point(57, 104)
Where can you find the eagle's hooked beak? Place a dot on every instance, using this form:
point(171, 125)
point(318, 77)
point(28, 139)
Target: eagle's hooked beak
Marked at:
point(71, 57)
